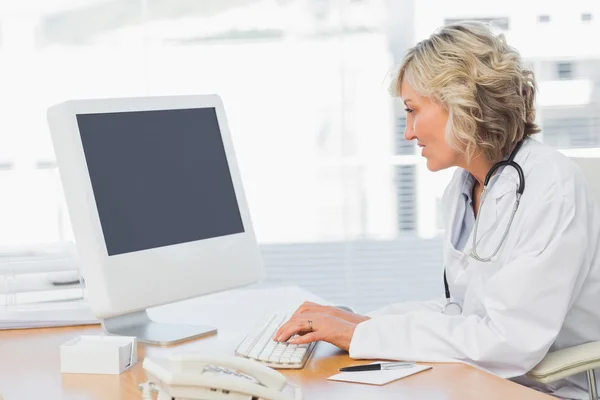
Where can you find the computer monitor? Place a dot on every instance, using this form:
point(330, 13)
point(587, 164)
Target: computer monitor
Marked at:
point(156, 204)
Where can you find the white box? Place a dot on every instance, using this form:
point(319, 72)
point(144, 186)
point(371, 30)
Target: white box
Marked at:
point(92, 354)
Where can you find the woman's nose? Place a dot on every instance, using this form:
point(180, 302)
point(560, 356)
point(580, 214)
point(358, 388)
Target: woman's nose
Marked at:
point(409, 131)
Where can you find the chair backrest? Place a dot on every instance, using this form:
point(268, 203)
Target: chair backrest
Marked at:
point(591, 169)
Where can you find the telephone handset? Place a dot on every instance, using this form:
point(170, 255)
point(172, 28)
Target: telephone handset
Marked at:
point(190, 376)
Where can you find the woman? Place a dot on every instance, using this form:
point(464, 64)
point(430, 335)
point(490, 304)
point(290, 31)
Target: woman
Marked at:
point(470, 104)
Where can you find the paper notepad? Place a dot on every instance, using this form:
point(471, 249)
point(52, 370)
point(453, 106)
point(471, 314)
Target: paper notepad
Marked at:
point(378, 377)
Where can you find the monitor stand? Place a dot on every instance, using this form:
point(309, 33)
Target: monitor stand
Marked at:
point(138, 324)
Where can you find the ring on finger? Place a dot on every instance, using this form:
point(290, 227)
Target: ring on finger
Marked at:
point(310, 325)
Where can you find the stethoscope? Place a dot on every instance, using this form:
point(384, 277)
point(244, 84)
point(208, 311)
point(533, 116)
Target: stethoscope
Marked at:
point(452, 307)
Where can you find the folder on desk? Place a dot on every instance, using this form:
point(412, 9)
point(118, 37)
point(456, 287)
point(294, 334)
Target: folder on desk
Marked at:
point(46, 315)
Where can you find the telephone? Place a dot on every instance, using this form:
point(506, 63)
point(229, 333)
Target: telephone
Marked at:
point(196, 377)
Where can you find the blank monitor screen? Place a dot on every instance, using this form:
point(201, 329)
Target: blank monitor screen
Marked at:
point(159, 177)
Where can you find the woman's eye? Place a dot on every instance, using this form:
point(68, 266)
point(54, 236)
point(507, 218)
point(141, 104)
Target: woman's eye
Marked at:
point(408, 110)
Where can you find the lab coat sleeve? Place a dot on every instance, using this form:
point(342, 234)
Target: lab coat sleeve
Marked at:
point(409, 306)
point(524, 307)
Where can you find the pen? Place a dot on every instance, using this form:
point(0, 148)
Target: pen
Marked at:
point(378, 367)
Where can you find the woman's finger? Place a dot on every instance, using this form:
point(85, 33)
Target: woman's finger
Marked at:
point(283, 329)
point(291, 328)
point(293, 321)
point(307, 338)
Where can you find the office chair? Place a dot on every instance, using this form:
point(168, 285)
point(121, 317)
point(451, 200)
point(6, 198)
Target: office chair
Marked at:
point(586, 357)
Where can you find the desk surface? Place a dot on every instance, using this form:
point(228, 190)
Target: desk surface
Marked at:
point(30, 360)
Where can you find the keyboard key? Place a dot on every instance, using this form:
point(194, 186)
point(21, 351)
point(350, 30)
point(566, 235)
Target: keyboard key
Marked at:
point(267, 351)
point(296, 358)
point(285, 359)
point(299, 352)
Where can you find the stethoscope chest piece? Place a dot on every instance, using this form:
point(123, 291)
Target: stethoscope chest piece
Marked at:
point(452, 308)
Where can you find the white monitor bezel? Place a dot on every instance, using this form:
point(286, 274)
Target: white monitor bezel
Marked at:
point(139, 280)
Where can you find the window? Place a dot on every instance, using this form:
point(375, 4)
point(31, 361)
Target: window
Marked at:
point(564, 70)
point(543, 18)
point(405, 193)
point(497, 22)
point(403, 147)
point(331, 183)
point(572, 132)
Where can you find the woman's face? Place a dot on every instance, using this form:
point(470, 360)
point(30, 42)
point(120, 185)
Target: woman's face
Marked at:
point(426, 121)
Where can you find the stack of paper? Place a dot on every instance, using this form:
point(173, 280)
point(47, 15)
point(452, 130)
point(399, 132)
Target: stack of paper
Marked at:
point(41, 315)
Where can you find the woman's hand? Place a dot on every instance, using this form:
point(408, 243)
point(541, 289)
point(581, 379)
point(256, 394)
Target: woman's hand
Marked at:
point(324, 327)
point(309, 307)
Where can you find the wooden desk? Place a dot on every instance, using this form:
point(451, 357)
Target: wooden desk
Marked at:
point(30, 360)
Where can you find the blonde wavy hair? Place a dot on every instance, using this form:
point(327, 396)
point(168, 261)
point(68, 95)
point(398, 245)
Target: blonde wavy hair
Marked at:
point(480, 81)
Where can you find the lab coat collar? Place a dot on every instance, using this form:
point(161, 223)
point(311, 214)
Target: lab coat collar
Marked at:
point(488, 214)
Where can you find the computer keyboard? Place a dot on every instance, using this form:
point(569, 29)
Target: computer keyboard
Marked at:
point(259, 345)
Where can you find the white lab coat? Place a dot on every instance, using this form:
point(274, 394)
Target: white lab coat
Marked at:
point(540, 293)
